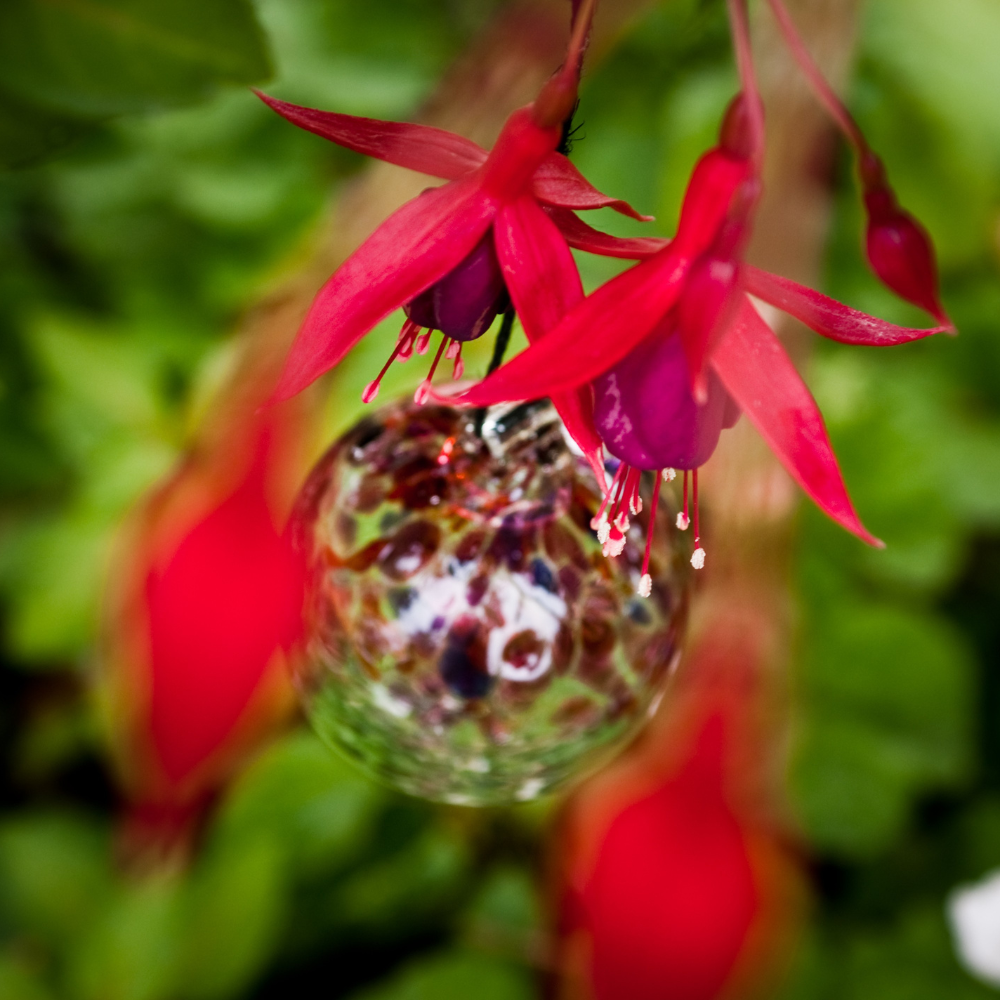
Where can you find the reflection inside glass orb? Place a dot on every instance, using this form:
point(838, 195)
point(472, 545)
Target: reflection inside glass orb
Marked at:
point(466, 639)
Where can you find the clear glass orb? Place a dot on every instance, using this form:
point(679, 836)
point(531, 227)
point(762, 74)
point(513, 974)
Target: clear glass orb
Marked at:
point(466, 639)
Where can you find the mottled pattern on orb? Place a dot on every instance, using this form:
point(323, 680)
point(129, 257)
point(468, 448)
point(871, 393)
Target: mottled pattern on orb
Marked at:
point(466, 639)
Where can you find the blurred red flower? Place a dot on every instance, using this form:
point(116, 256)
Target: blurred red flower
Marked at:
point(207, 596)
point(673, 882)
point(673, 894)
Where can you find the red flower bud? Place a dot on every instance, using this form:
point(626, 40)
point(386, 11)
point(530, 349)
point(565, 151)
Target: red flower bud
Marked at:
point(901, 253)
point(899, 248)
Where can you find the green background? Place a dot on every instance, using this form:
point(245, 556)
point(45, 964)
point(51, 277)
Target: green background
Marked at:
point(147, 199)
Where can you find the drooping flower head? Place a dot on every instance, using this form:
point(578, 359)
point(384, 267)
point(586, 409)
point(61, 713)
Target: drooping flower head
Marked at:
point(898, 247)
point(674, 349)
point(454, 257)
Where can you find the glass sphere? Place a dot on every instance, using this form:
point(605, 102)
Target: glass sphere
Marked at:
point(466, 639)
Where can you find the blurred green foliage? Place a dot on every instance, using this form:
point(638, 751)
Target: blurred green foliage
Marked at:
point(154, 198)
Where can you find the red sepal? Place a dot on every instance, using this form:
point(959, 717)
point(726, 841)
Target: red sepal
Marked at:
point(521, 148)
point(411, 250)
point(760, 376)
point(558, 182)
point(580, 236)
point(710, 300)
point(544, 285)
point(716, 179)
point(422, 148)
point(440, 153)
point(827, 316)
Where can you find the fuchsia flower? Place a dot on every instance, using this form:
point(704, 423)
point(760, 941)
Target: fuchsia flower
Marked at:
point(451, 256)
point(220, 609)
point(898, 247)
point(673, 349)
point(672, 894)
point(207, 599)
point(671, 877)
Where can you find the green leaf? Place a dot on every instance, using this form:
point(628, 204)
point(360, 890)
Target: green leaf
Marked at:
point(105, 57)
point(130, 952)
point(315, 803)
point(230, 915)
point(54, 875)
point(455, 976)
point(29, 133)
point(888, 698)
point(103, 408)
point(19, 982)
point(947, 54)
point(911, 959)
point(850, 787)
point(505, 916)
point(408, 886)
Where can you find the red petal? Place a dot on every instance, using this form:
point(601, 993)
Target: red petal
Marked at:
point(411, 250)
point(827, 316)
point(418, 147)
point(593, 337)
point(579, 235)
point(544, 285)
point(558, 182)
point(761, 378)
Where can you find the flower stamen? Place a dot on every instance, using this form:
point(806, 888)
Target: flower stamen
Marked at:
point(698, 556)
point(645, 580)
point(598, 519)
point(683, 520)
point(617, 516)
point(402, 351)
point(424, 389)
point(610, 532)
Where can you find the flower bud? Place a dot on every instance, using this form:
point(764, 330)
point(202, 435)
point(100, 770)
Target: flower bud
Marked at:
point(899, 249)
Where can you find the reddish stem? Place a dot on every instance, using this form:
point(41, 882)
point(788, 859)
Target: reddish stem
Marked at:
point(748, 78)
point(694, 503)
point(557, 98)
point(828, 98)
